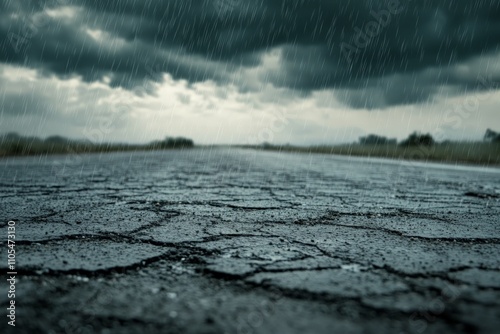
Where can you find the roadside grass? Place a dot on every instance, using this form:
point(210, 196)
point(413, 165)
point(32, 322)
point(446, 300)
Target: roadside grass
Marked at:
point(481, 153)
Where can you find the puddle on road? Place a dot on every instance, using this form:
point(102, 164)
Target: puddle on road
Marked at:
point(353, 267)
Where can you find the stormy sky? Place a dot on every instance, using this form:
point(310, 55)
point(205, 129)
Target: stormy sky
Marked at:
point(247, 71)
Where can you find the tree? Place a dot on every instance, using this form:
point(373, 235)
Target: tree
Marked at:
point(376, 140)
point(418, 139)
point(492, 136)
point(170, 142)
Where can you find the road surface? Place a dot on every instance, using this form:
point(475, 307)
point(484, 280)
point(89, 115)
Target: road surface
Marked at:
point(240, 241)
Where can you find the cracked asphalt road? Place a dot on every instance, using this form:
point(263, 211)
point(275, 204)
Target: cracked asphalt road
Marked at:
point(234, 241)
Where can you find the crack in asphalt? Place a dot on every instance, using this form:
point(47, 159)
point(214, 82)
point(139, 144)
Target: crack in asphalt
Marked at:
point(289, 233)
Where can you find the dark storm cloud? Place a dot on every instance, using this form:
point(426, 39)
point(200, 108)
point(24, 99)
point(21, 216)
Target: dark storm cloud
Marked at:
point(357, 47)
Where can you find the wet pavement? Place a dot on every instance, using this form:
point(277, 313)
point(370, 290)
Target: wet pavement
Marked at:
point(240, 241)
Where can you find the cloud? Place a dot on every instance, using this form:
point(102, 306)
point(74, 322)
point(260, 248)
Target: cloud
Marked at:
point(209, 113)
point(374, 54)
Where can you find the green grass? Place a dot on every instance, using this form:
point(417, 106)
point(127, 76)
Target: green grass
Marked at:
point(481, 153)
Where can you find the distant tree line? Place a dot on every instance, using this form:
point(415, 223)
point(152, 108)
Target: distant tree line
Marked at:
point(418, 139)
point(415, 139)
point(15, 144)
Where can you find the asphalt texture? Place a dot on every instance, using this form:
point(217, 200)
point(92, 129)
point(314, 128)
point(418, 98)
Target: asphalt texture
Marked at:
point(241, 241)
